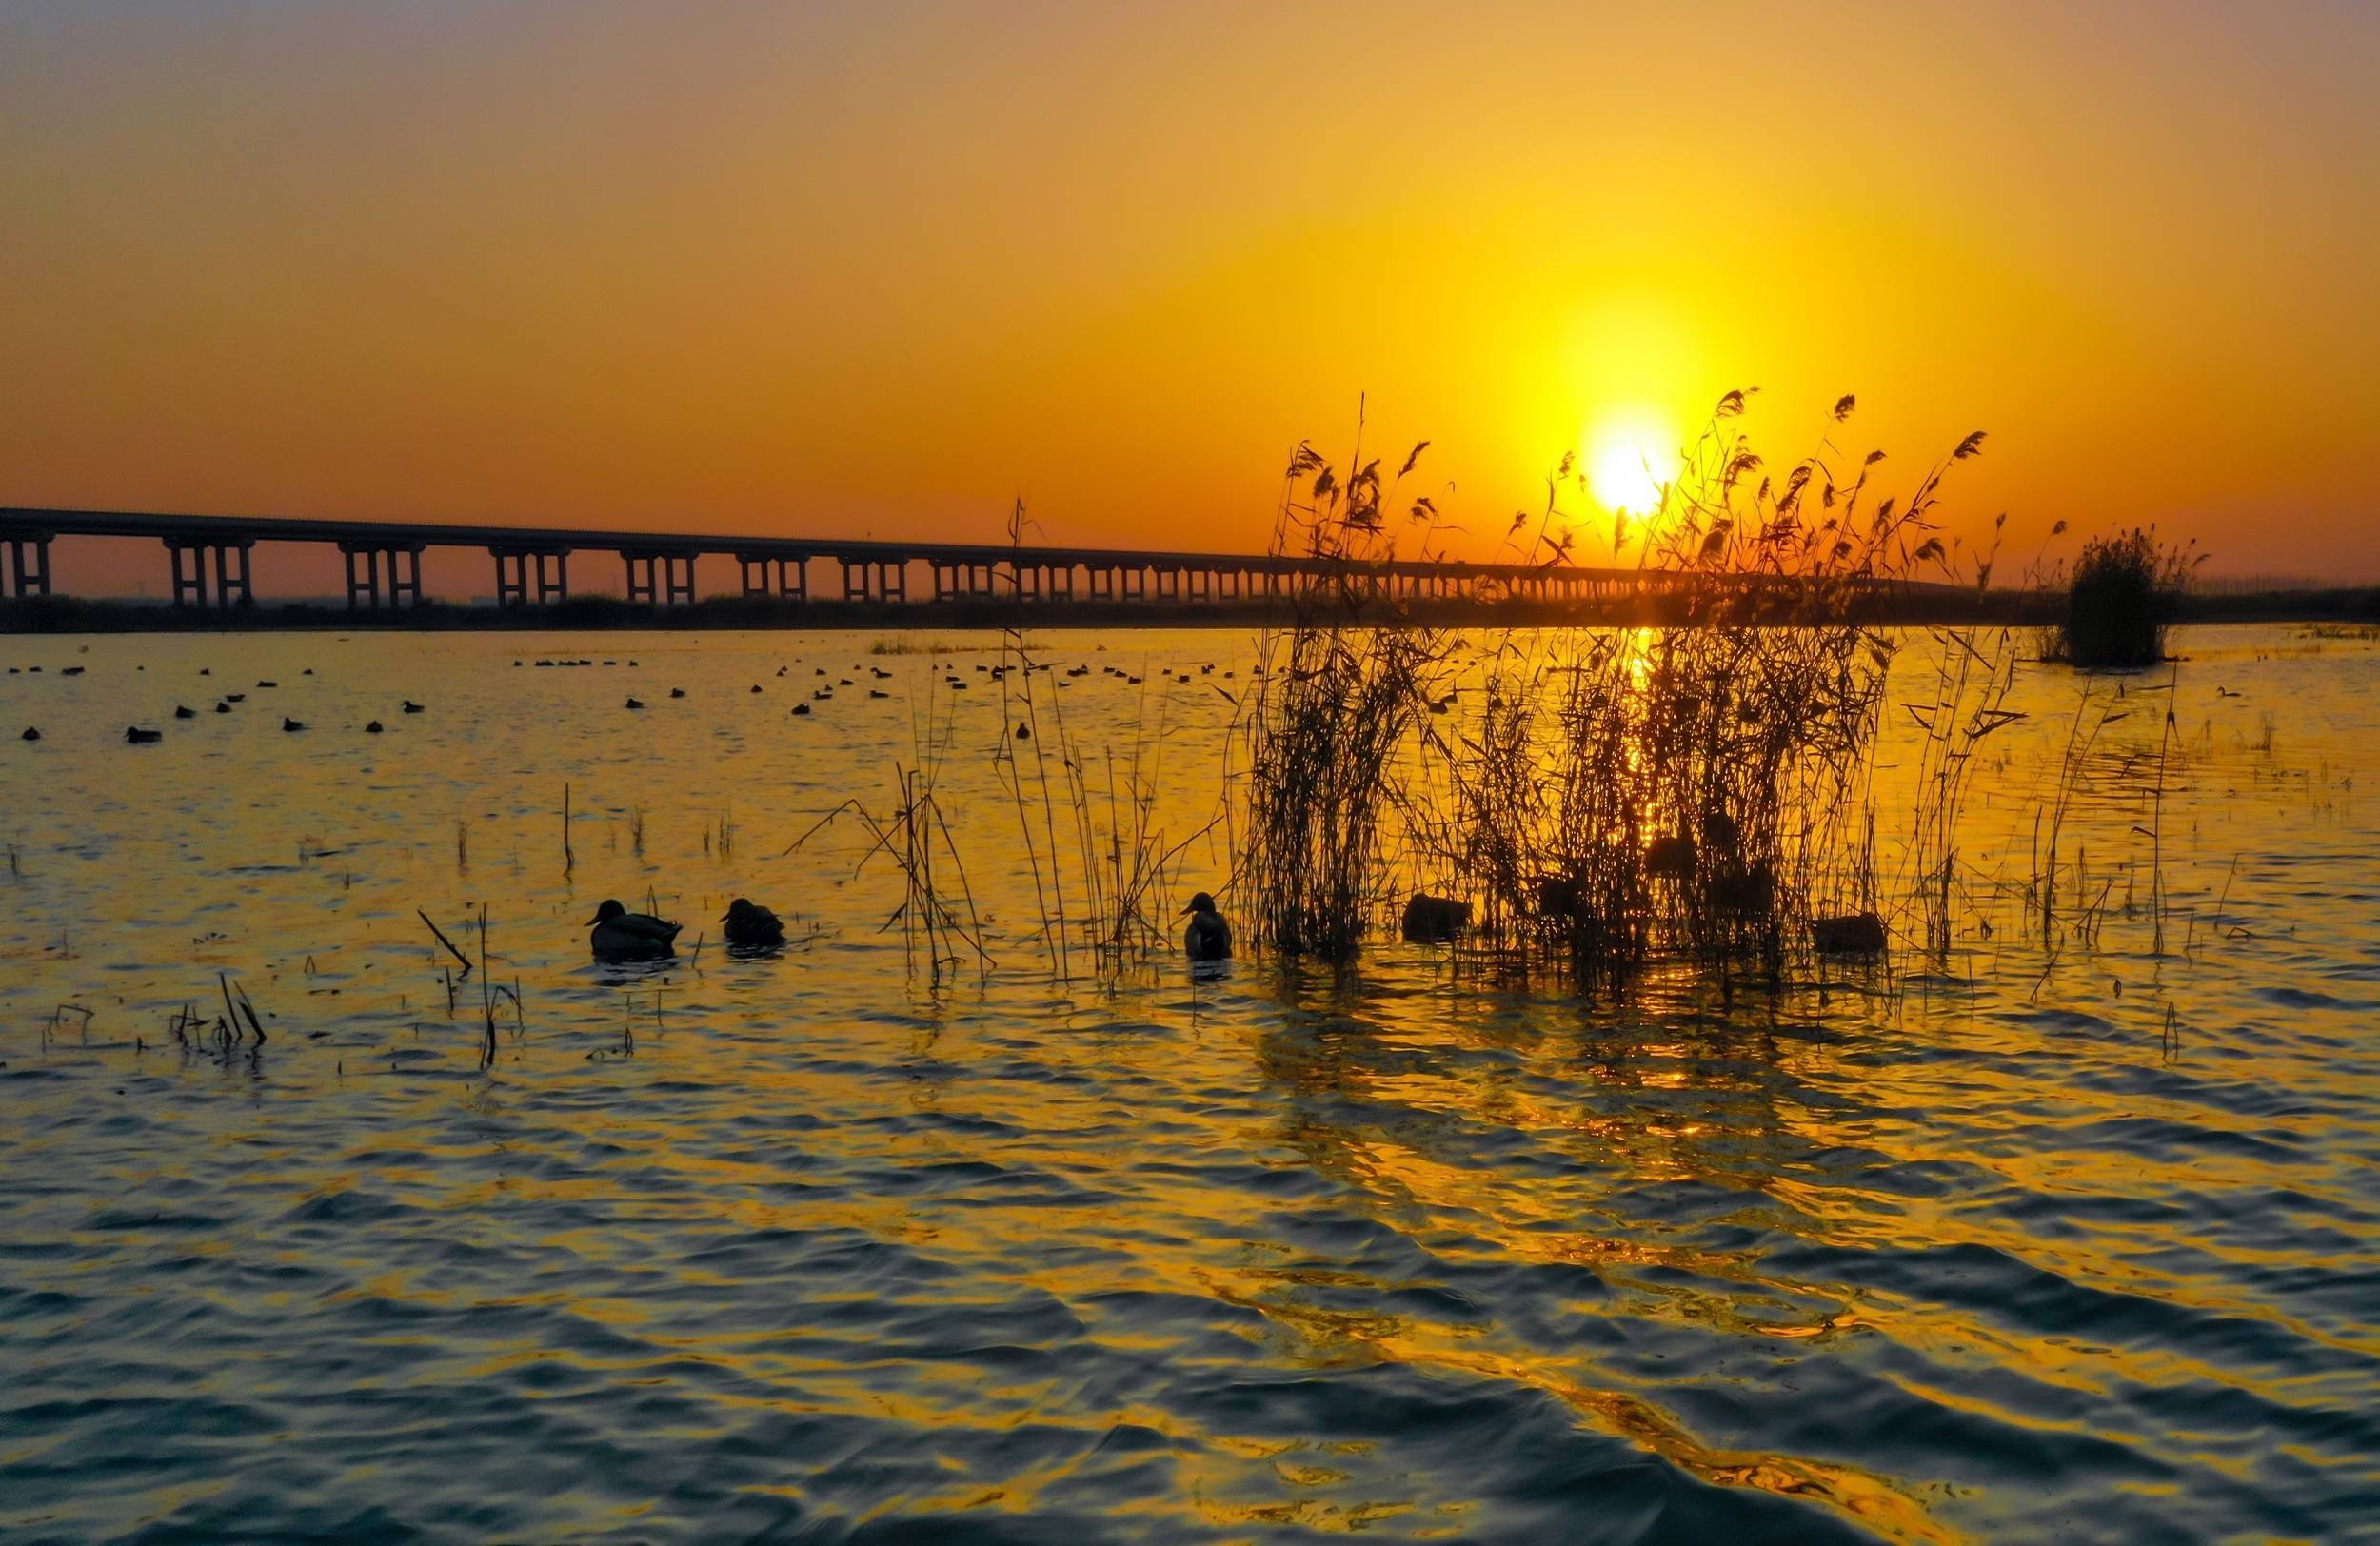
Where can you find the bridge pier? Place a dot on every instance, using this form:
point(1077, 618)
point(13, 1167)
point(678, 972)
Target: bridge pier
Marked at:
point(231, 581)
point(874, 580)
point(512, 575)
point(403, 565)
point(660, 578)
point(788, 579)
point(29, 576)
point(955, 579)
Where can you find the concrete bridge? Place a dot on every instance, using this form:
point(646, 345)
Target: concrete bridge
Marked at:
point(210, 564)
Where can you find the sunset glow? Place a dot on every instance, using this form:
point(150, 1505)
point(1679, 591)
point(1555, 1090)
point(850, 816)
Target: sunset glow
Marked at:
point(778, 268)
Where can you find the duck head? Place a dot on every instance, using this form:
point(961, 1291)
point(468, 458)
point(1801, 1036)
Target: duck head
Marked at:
point(605, 914)
point(740, 909)
point(1200, 904)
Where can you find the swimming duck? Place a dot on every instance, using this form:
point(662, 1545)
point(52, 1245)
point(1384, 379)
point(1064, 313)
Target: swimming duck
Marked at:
point(749, 925)
point(135, 736)
point(30, 734)
point(621, 935)
point(1207, 938)
point(633, 704)
point(413, 707)
point(373, 729)
point(184, 711)
point(289, 723)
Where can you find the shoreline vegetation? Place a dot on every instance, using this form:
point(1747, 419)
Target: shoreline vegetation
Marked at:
point(1913, 605)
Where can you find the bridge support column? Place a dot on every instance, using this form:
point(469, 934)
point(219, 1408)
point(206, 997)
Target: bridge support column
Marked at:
point(1103, 582)
point(513, 575)
point(642, 585)
point(1168, 585)
point(191, 583)
point(788, 579)
point(29, 565)
point(403, 567)
point(678, 578)
point(1061, 581)
point(1135, 583)
point(949, 580)
point(878, 579)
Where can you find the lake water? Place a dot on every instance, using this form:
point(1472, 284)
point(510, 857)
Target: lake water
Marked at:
point(809, 1246)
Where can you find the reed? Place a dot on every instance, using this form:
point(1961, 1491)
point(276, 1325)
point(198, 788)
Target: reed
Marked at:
point(1702, 791)
point(1337, 695)
point(2121, 595)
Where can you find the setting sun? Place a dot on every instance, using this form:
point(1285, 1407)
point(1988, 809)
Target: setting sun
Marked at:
point(1627, 461)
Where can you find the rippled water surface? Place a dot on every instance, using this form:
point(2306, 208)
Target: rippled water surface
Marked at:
point(804, 1246)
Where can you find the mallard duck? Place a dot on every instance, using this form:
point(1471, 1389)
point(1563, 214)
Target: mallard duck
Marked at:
point(1207, 937)
point(749, 925)
point(625, 936)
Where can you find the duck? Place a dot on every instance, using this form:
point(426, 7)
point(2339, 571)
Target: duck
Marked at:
point(801, 708)
point(677, 692)
point(621, 935)
point(750, 925)
point(135, 736)
point(222, 707)
point(633, 704)
point(1207, 937)
point(290, 724)
point(373, 729)
point(184, 711)
point(30, 734)
point(413, 707)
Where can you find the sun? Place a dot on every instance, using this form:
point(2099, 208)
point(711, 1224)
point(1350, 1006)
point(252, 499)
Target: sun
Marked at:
point(1628, 459)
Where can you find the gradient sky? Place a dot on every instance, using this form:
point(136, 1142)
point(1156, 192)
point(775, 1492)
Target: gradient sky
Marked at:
point(877, 269)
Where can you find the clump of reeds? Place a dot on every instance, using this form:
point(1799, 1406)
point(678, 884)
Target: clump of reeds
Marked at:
point(1337, 695)
point(2121, 595)
point(1702, 791)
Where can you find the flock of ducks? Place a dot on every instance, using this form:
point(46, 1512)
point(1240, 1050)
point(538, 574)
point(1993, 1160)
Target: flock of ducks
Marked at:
point(620, 935)
point(617, 934)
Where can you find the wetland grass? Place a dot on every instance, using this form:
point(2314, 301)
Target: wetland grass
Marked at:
point(2121, 597)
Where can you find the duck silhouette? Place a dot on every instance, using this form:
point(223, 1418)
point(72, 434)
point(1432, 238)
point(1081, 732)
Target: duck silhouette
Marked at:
point(184, 711)
point(30, 734)
point(1207, 936)
point(373, 729)
point(289, 723)
point(749, 925)
point(621, 935)
point(135, 736)
point(413, 707)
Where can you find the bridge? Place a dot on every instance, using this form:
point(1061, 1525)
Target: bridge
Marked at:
point(210, 563)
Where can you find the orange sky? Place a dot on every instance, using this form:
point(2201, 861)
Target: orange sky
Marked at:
point(877, 270)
